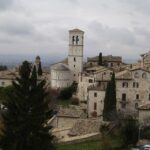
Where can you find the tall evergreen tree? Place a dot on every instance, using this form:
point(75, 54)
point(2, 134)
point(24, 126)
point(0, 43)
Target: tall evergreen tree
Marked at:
point(34, 76)
point(109, 111)
point(25, 119)
point(40, 72)
point(100, 61)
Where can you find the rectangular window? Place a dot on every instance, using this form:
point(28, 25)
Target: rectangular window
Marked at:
point(74, 66)
point(123, 104)
point(95, 106)
point(134, 84)
point(125, 84)
point(123, 97)
point(95, 94)
point(74, 59)
point(90, 81)
point(137, 96)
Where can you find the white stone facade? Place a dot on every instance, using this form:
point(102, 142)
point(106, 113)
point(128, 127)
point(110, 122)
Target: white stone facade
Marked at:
point(61, 76)
point(75, 56)
point(96, 103)
point(85, 81)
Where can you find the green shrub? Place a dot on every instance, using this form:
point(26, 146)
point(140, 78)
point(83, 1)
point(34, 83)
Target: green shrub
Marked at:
point(67, 93)
point(75, 101)
point(145, 133)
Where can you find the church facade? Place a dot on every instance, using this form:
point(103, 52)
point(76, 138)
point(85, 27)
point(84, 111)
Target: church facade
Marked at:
point(64, 73)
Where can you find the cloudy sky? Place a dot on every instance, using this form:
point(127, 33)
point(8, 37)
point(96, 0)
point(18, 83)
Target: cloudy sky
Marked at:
point(118, 27)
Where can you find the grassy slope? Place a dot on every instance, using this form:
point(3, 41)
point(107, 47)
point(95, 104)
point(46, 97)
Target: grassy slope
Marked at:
point(90, 145)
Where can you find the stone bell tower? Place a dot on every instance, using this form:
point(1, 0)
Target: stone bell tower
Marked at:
point(75, 55)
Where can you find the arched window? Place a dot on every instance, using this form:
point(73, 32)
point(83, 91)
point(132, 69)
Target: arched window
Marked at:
point(73, 40)
point(144, 75)
point(77, 40)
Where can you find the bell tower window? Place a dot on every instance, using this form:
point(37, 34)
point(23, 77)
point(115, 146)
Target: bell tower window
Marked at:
point(73, 40)
point(77, 40)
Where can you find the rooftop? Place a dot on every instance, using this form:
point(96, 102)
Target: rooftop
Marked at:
point(76, 30)
point(126, 74)
point(60, 66)
point(8, 74)
point(85, 126)
point(106, 58)
point(144, 107)
point(70, 112)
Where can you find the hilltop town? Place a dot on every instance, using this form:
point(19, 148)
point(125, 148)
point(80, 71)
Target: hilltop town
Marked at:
point(82, 121)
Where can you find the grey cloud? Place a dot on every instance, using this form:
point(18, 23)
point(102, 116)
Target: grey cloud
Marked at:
point(112, 34)
point(4, 4)
point(119, 41)
point(138, 6)
point(16, 27)
point(42, 26)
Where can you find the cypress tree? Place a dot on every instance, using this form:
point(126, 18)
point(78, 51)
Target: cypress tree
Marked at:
point(25, 118)
point(100, 63)
point(40, 72)
point(109, 111)
point(34, 76)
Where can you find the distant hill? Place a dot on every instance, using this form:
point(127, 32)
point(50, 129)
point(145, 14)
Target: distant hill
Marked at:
point(13, 60)
point(129, 61)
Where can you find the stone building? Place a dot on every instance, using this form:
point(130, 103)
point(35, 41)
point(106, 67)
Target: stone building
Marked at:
point(144, 114)
point(132, 89)
point(75, 56)
point(145, 61)
point(65, 72)
point(91, 89)
point(6, 77)
point(108, 61)
point(61, 76)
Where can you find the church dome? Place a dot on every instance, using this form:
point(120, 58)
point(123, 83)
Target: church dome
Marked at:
point(60, 66)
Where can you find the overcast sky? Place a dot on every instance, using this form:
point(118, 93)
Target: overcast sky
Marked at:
point(118, 27)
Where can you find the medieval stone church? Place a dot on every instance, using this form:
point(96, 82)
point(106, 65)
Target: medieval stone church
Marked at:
point(65, 72)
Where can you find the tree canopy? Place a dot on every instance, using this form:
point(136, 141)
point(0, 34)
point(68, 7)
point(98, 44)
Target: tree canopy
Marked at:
point(109, 111)
point(100, 61)
point(40, 72)
point(25, 118)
